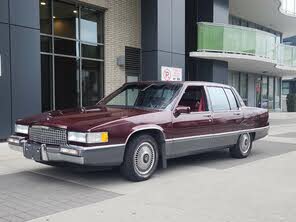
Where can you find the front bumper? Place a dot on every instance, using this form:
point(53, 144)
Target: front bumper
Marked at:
point(105, 155)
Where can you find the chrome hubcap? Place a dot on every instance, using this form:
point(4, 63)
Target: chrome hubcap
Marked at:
point(144, 158)
point(245, 143)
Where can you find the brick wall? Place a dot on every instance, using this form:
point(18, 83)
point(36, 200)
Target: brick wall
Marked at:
point(122, 28)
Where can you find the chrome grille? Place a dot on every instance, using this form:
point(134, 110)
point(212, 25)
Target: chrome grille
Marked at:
point(48, 135)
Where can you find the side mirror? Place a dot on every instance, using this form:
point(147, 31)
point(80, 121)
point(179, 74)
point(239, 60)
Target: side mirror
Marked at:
point(182, 109)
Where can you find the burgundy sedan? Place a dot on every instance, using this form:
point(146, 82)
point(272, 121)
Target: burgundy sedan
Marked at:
point(142, 123)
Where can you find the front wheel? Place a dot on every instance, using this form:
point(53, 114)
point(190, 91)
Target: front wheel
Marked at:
point(141, 158)
point(243, 147)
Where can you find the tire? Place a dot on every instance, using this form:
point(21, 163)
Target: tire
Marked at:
point(243, 147)
point(140, 159)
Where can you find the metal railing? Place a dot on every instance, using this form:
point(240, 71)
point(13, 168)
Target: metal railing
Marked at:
point(231, 39)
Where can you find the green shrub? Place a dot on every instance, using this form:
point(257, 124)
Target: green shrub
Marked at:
point(291, 102)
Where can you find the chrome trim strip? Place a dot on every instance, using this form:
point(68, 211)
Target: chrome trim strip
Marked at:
point(93, 147)
point(217, 134)
point(145, 128)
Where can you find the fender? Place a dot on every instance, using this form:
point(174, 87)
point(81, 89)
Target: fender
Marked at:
point(153, 127)
point(145, 127)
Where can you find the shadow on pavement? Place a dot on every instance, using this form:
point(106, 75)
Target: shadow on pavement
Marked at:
point(216, 160)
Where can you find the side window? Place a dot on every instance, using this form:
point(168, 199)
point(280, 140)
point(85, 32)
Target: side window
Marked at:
point(218, 99)
point(231, 99)
point(195, 98)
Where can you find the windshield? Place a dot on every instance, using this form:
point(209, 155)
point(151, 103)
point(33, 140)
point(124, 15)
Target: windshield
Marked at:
point(147, 96)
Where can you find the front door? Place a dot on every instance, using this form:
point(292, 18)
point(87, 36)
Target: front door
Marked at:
point(188, 129)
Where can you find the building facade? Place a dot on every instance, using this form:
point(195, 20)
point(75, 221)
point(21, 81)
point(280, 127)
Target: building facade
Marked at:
point(58, 54)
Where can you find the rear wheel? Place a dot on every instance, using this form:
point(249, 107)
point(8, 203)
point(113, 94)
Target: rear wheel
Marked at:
point(243, 147)
point(141, 158)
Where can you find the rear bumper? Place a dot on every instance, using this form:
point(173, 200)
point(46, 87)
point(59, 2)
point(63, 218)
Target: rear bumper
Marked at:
point(261, 132)
point(108, 155)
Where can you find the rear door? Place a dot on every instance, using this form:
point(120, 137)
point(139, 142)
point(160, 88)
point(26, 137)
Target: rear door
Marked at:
point(226, 118)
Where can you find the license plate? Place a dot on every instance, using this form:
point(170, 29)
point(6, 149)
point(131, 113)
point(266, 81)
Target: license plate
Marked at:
point(33, 152)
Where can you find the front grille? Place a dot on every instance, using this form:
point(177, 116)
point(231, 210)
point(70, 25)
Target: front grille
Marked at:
point(48, 135)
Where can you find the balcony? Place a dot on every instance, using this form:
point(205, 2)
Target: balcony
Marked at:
point(288, 7)
point(245, 49)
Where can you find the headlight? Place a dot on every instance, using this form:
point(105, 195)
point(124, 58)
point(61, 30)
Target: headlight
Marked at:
point(23, 129)
point(88, 137)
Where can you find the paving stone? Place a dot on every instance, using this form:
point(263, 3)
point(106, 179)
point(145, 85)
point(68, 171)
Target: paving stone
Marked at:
point(28, 196)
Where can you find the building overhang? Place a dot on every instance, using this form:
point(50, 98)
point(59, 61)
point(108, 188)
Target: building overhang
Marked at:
point(268, 13)
point(247, 63)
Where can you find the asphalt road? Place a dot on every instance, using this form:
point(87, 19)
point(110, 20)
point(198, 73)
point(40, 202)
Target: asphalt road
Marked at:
point(209, 187)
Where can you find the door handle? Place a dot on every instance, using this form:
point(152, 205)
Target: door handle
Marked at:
point(237, 114)
point(208, 115)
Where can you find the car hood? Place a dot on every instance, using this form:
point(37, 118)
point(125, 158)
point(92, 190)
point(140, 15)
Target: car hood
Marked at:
point(85, 118)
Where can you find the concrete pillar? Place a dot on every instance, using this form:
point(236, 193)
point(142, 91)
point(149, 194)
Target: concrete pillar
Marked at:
point(163, 36)
point(216, 11)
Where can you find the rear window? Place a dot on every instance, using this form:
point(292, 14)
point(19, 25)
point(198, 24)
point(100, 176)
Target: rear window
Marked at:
point(218, 99)
point(231, 99)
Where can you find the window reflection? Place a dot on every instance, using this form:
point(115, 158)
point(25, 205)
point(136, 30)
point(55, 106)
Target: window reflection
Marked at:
point(288, 7)
point(65, 19)
point(45, 16)
point(92, 79)
point(270, 92)
point(77, 37)
point(66, 47)
point(66, 82)
point(91, 26)
point(264, 102)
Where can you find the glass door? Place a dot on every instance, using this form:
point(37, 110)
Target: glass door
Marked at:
point(258, 85)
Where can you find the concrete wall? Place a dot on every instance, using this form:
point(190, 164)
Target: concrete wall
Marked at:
point(122, 28)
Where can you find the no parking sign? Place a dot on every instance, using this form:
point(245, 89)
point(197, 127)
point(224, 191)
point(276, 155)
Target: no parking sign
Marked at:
point(171, 74)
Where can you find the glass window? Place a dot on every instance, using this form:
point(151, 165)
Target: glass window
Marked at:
point(243, 87)
point(258, 91)
point(92, 51)
point(92, 82)
point(264, 93)
point(231, 99)
point(270, 92)
point(130, 78)
point(218, 99)
point(286, 88)
point(65, 19)
point(277, 89)
point(46, 82)
point(194, 97)
point(66, 47)
point(45, 16)
point(66, 82)
point(234, 76)
point(77, 37)
point(46, 44)
point(91, 26)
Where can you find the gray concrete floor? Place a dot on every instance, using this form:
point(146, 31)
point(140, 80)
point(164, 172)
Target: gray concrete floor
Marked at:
point(209, 187)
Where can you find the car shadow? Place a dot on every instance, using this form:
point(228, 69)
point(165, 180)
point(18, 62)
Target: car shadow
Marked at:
point(215, 160)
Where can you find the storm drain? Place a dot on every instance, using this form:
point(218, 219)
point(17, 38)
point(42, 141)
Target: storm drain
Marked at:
point(26, 196)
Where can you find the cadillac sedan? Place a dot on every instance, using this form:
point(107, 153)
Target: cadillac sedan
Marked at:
point(142, 125)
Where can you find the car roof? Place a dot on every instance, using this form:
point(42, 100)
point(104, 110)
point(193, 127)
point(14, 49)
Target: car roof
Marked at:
point(185, 83)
